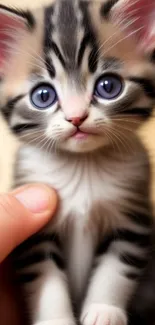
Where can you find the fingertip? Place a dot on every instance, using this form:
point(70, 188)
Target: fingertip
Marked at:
point(53, 199)
point(37, 198)
point(24, 212)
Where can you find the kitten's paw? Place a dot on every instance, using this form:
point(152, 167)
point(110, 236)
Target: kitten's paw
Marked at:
point(101, 314)
point(58, 321)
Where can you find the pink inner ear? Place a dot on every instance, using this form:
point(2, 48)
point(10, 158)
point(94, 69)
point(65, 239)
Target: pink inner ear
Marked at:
point(142, 16)
point(142, 11)
point(8, 23)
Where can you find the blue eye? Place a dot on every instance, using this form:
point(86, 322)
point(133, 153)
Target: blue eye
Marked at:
point(43, 96)
point(108, 87)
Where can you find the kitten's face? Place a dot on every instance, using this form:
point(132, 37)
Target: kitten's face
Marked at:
point(79, 83)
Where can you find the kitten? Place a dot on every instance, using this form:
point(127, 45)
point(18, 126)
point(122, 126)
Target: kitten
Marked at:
point(77, 80)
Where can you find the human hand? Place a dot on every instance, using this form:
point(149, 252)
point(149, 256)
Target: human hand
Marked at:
point(22, 213)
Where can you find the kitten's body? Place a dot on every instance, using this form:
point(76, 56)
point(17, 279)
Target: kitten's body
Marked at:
point(91, 255)
point(94, 194)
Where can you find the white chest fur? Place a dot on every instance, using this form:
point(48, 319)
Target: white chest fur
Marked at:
point(88, 186)
point(92, 190)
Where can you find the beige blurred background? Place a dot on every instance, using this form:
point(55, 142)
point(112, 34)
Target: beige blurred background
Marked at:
point(8, 144)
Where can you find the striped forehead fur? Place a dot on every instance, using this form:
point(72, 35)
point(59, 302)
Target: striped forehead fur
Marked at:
point(69, 32)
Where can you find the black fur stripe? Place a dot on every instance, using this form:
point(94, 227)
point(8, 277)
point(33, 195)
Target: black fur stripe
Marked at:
point(132, 276)
point(93, 59)
point(50, 67)
point(140, 218)
point(87, 24)
point(38, 257)
point(30, 259)
point(146, 84)
point(7, 110)
point(58, 54)
point(27, 15)
point(104, 245)
point(106, 8)
point(59, 261)
point(142, 112)
point(20, 128)
point(132, 260)
point(85, 42)
point(36, 240)
point(27, 277)
point(141, 240)
point(84, 5)
point(48, 26)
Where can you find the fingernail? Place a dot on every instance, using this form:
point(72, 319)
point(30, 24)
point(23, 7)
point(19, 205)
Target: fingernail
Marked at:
point(36, 199)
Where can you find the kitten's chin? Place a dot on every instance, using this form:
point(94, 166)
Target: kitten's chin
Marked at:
point(88, 144)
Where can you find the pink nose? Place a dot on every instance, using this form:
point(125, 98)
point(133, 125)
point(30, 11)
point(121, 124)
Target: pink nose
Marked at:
point(77, 121)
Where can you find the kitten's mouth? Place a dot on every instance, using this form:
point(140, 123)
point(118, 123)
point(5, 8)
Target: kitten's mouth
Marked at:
point(82, 134)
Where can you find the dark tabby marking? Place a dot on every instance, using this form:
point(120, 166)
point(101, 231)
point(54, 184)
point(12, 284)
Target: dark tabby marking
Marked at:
point(87, 24)
point(85, 18)
point(85, 42)
point(27, 15)
point(146, 84)
point(30, 259)
point(141, 311)
point(132, 276)
point(132, 260)
point(58, 54)
point(28, 277)
point(104, 245)
point(143, 112)
point(142, 240)
point(140, 218)
point(59, 261)
point(38, 257)
point(106, 8)
point(10, 105)
point(17, 129)
point(48, 27)
point(93, 60)
point(36, 240)
point(50, 67)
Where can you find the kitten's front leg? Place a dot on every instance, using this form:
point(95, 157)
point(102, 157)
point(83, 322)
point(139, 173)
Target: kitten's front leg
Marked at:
point(42, 276)
point(118, 265)
point(52, 300)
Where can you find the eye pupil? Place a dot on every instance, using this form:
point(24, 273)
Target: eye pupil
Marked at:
point(108, 86)
point(44, 95)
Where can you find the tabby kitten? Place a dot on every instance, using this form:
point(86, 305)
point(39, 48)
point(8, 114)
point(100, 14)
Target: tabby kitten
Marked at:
point(77, 80)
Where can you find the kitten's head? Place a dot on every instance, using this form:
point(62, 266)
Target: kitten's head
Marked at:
point(78, 75)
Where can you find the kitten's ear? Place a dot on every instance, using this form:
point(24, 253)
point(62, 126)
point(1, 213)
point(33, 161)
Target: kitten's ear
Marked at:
point(12, 22)
point(138, 19)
